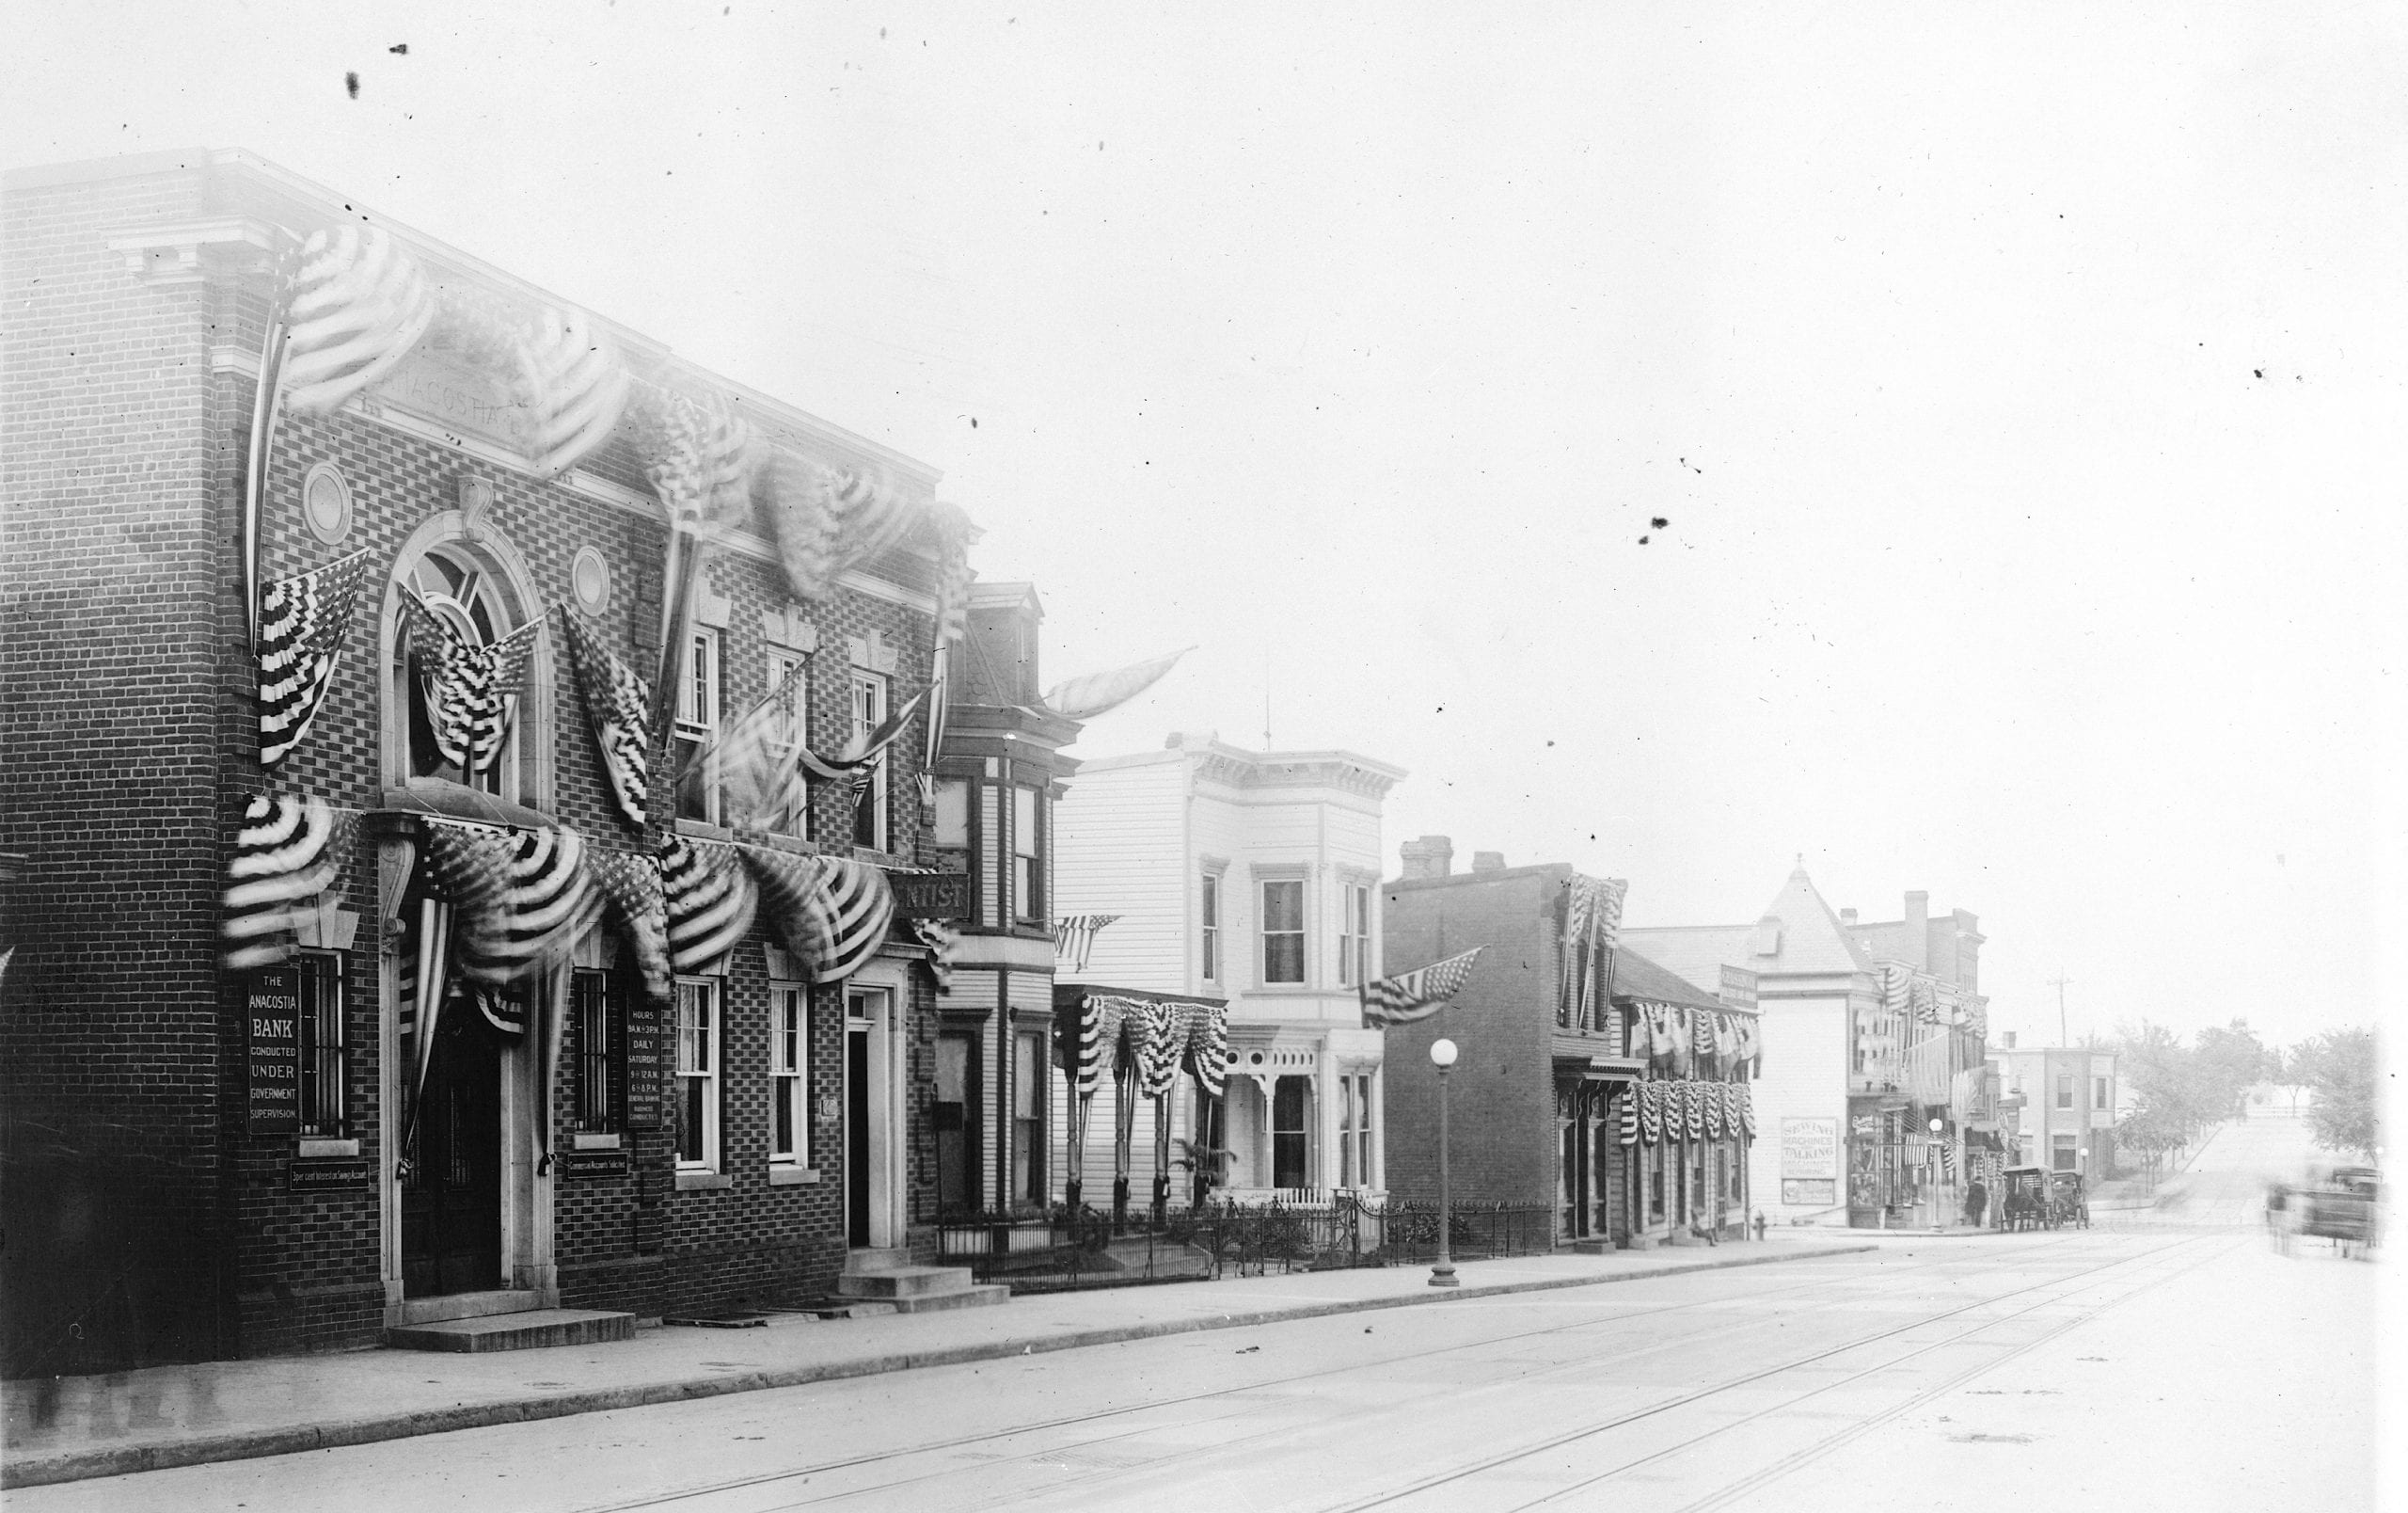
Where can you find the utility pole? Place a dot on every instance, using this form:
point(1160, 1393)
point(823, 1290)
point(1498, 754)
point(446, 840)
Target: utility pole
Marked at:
point(2059, 984)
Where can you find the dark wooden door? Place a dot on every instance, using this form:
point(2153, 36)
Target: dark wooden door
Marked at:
point(855, 1137)
point(953, 1116)
point(451, 1203)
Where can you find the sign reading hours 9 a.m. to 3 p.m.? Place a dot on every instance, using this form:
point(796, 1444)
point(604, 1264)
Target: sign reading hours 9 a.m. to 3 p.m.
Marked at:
point(272, 1033)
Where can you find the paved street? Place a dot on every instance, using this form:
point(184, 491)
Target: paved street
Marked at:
point(1963, 1371)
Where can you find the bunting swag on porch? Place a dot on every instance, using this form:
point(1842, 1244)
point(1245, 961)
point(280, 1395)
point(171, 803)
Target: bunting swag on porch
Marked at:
point(280, 871)
point(1629, 1131)
point(1074, 937)
point(709, 900)
point(1415, 994)
point(1099, 694)
point(303, 622)
point(573, 386)
point(1710, 1098)
point(470, 690)
point(850, 910)
point(1748, 1111)
point(631, 883)
point(617, 710)
point(1651, 1112)
point(521, 901)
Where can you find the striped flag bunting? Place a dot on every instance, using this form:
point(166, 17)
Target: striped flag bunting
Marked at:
point(573, 386)
point(855, 903)
point(358, 303)
point(1661, 1039)
point(1709, 1097)
point(521, 901)
point(1651, 1112)
point(1747, 1109)
point(1207, 1057)
point(631, 885)
point(1702, 1043)
point(944, 940)
point(281, 869)
point(790, 883)
point(1696, 1097)
point(932, 732)
point(618, 711)
point(1165, 1038)
point(1731, 1108)
point(1897, 981)
point(470, 690)
point(1098, 693)
point(1074, 937)
point(853, 761)
point(1629, 1132)
point(952, 530)
point(701, 466)
point(709, 900)
point(1926, 1002)
point(303, 623)
point(1111, 1028)
point(1415, 994)
point(826, 520)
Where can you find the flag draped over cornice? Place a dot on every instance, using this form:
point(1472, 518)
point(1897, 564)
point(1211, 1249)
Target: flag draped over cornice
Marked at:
point(303, 623)
point(357, 305)
point(617, 710)
point(280, 872)
point(521, 901)
point(573, 386)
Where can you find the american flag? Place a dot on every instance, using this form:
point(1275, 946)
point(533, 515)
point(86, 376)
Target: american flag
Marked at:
point(618, 708)
point(1074, 937)
point(701, 466)
point(280, 869)
point(303, 621)
point(1084, 698)
point(709, 900)
point(356, 306)
point(470, 690)
point(1415, 994)
point(1651, 1112)
point(1709, 1097)
point(790, 886)
point(855, 904)
point(631, 883)
point(521, 901)
point(573, 386)
point(857, 757)
point(1629, 1133)
point(1747, 1109)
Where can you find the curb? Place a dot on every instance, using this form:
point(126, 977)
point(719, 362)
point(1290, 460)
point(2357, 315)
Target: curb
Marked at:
point(84, 1465)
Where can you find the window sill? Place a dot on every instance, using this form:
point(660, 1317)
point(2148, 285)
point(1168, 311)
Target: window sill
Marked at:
point(308, 1148)
point(704, 1180)
point(875, 857)
point(793, 1176)
point(594, 1142)
point(704, 829)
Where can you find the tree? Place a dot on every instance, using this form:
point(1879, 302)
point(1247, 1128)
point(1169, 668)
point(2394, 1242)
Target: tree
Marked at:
point(2225, 1061)
point(2340, 1066)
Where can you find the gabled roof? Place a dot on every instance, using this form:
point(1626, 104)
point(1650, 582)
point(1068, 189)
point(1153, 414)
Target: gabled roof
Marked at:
point(1635, 977)
point(1798, 934)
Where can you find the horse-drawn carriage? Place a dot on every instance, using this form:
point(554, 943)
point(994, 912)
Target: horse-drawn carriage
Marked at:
point(2023, 1199)
point(2068, 1202)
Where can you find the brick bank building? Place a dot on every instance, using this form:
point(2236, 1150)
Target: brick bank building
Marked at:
point(393, 1101)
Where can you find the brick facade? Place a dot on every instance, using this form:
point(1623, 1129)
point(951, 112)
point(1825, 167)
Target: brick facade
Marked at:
point(147, 1222)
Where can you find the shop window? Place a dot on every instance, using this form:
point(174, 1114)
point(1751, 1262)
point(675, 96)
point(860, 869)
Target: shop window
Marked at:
point(789, 1073)
point(698, 1030)
point(326, 1060)
point(601, 1067)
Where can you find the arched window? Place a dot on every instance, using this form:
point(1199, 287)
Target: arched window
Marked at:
point(472, 599)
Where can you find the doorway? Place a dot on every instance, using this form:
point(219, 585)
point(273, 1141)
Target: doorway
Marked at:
point(954, 1120)
point(873, 1103)
point(451, 1199)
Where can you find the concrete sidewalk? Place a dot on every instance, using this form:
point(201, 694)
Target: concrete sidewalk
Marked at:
point(74, 1427)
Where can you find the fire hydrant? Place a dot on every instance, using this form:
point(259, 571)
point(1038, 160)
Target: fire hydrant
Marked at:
point(1760, 1223)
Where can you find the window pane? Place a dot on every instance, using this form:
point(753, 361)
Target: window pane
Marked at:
point(1283, 906)
point(953, 812)
point(1283, 958)
point(1212, 901)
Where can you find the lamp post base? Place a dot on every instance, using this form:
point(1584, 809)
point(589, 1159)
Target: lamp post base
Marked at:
point(1443, 1275)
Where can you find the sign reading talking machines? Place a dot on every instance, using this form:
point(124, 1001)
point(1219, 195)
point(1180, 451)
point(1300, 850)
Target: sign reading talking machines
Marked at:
point(1809, 1161)
point(272, 1033)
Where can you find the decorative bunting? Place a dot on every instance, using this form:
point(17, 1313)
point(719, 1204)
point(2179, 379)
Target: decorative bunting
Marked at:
point(470, 690)
point(521, 901)
point(1747, 1109)
point(631, 883)
point(573, 386)
point(825, 522)
point(709, 900)
point(1628, 1134)
point(790, 884)
point(357, 305)
point(1651, 1111)
point(1074, 937)
point(280, 871)
point(849, 924)
point(852, 763)
point(1710, 1099)
point(1099, 694)
point(1416, 995)
point(303, 623)
point(617, 710)
point(701, 466)
point(944, 940)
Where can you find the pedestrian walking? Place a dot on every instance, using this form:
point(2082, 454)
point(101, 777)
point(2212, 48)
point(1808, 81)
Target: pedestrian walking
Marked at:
point(2278, 1217)
point(1978, 1200)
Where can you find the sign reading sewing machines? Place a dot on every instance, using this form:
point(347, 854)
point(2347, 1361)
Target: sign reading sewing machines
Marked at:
point(1809, 1151)
point(272, 1032)
point(932, 895)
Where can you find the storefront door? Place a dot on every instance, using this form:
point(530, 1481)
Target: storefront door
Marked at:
point(953, 1117)
point(452, 1201)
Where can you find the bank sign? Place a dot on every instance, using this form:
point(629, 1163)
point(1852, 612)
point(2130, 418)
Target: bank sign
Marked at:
point(272, 1032)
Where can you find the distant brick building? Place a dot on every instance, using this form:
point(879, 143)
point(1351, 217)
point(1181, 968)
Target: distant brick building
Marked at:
point(744, 1133)
point(1583, 1082)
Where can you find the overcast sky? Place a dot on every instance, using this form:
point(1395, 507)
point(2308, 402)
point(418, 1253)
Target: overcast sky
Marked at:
point(2019, 389)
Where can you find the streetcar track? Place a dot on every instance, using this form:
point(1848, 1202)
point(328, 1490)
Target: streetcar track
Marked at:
point(939, 1446)
point(1669, 1405)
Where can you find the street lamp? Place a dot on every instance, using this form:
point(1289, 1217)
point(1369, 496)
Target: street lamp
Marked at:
point(1938, 1221)
point(1442, 1056)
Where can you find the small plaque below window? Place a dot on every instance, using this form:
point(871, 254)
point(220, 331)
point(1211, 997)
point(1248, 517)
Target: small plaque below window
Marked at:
point(590, 577)
point(325, 503)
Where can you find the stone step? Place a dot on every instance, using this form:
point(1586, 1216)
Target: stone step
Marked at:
point(535, 1329)
point(893, 1282)
point(980, 1294)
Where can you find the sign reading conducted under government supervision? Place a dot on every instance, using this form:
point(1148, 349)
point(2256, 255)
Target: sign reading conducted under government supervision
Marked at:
point(272, 1032)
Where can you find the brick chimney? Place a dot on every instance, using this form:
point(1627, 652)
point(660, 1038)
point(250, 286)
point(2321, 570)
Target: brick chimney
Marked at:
point(1847, 916)
point(1430, 856)
point(1488, 861)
